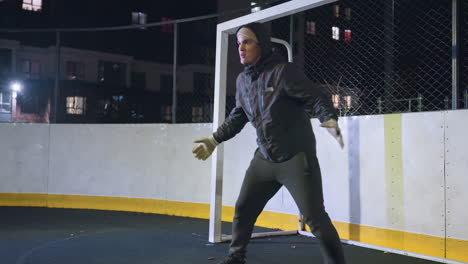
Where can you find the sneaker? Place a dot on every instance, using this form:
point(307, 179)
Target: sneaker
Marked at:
point(233, 259)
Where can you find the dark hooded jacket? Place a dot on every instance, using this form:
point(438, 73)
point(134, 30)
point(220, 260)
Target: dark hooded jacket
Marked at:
point(278, 100)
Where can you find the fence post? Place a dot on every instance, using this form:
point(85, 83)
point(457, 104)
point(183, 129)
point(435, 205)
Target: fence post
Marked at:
point(455, 53)
point(420, 105)
point(174, 78)
point(379, 104)
point(57, 77)
point(389, 35)
point(466, 99)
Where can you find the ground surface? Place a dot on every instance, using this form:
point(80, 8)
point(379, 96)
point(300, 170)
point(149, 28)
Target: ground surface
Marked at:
point(49, 236)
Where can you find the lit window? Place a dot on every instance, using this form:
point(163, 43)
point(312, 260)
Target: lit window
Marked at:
point(75, 70)
point(76, 105)
point(336, 33)
point(336, 100)
point(5, 102)
point(348, 13)
point(348, 100)
point(32, 5)
point(138, 18)
point(255, 9)
point(166, 113)
point(31, 69)
point(336, 10)
point(197, 114)
point(347, 35)
point(310, 28)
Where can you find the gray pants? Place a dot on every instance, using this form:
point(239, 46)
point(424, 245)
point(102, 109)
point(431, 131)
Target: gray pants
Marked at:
point(301, 176)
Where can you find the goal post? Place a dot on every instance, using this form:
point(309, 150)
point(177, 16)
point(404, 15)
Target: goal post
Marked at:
point(219, 111)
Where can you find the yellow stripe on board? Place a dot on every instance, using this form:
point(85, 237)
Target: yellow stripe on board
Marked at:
point(417, 243)
point(23, 199)
point(457, 249)
point(394, 177)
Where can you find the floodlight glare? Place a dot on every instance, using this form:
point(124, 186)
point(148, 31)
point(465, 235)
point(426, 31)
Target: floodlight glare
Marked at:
point(16, 87)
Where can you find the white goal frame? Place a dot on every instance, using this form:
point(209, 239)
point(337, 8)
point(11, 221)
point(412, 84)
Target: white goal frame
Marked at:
point(222, 37)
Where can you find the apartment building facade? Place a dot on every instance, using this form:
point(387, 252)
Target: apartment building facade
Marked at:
point(93, 85)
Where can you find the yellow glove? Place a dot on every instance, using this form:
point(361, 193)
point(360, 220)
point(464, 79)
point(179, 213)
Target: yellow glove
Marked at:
point(205, 147)
point(332, 127)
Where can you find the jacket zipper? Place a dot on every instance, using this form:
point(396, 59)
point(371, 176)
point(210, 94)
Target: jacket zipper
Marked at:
point(261, 93)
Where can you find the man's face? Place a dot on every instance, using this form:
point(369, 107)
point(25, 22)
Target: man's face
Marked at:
point(249, 50)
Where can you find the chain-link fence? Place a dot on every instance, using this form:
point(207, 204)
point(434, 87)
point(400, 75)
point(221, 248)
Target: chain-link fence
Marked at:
point(195, 71)
point(381, 56)
point(463, 91)
point(372, 56)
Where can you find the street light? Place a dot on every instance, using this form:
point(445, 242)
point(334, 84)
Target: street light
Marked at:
point(16, 87)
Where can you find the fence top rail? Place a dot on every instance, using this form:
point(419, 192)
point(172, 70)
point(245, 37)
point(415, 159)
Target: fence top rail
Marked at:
point(137, 26)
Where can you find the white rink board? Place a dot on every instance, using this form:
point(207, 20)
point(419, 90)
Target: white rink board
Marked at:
point(422, 139)
point(457, 174)
point(188, 179)
point(24, 162)
point(238, 152)
point(155, 161)
point(334, 167)
point(370, 209)
point(110, 160)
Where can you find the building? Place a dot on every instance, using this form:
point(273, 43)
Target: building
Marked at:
point(97, 86)
point(110, 76)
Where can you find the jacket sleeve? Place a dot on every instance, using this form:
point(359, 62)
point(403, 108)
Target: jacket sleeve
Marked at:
point(233, 124)
point(315, 99)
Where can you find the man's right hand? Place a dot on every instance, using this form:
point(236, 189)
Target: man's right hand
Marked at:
point(205, 148)
point(333, 128)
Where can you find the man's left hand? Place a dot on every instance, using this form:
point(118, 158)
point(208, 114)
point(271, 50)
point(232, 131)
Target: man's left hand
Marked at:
point(332, 127)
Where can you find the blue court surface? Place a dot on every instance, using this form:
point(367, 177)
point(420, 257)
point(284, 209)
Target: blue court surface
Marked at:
point(30, 235)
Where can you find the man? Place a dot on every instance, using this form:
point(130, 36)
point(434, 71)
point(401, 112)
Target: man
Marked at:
point(277, 99)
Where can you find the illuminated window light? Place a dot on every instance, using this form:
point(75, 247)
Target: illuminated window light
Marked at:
point(76, 105)
point(32, 5)
point(255, 9)
point(347, 35)
point(348, 101)
point(336, 33)
point(336, 100)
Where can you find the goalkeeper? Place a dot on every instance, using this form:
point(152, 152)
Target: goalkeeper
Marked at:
point(278, 100)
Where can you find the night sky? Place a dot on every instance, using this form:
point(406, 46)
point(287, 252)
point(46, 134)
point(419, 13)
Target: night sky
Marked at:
point(114, 13)
point(150, 44)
